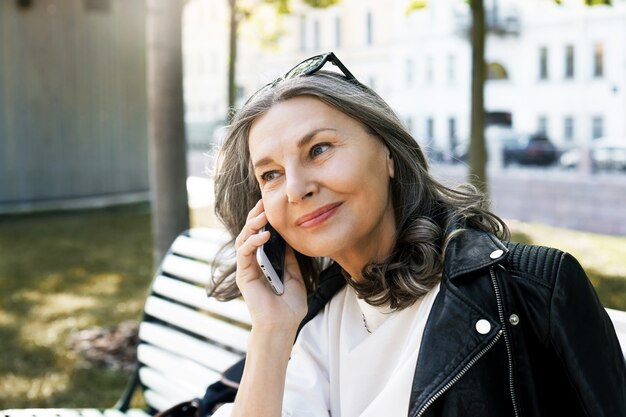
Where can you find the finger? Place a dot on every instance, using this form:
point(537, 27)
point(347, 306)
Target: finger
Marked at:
point(258, 207)
point(250, 245)
point(252, 226)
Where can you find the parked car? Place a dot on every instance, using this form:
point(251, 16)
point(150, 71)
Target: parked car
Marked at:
point(529, 149)
point(520, 148)
point(607, 154)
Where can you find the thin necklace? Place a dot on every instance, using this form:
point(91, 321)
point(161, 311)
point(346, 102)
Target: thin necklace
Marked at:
point(365, 324)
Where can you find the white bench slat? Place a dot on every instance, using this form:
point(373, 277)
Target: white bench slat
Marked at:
point(157, 401)
point(159, 384)
point(91, 412)
point(67, 412)
point(199, 323)
point(114, 413)
point(197, 297)
point(187, 269)
point(209, 355)
point(209, 233)
point(618, 318)
point(30, 412)
point(181, 371)
point(204, 250)
point(137, 412)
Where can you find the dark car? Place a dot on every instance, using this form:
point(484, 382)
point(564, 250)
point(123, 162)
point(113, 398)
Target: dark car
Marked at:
point(529, 149)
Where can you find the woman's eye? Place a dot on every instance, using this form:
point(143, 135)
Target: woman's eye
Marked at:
point(269, 176)
point(319, 149)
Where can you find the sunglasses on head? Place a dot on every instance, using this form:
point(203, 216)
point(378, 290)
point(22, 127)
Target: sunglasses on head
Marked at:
point(307, 67)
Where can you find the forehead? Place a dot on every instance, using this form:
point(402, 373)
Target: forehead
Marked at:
point(288, 121)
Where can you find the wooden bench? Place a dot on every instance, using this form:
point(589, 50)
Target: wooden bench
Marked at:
point(186, 338)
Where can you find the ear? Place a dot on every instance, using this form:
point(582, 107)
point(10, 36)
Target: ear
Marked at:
point(390, 164)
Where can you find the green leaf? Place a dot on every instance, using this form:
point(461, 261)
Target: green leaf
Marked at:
point(321, 4)
point(598, 2)
point(415, 5)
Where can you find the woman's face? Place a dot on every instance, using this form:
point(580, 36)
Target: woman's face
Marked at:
point(324, 179)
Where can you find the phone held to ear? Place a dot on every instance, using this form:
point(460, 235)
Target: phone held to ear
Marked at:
point(271, 259)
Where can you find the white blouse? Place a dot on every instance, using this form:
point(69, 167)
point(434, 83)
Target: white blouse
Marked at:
point(339, 369)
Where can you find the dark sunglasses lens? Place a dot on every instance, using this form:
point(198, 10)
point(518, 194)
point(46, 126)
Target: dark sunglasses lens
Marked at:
point(306, 67)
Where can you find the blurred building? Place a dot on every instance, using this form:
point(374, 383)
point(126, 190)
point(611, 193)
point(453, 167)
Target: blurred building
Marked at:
point(557, 69)
point(73, 107)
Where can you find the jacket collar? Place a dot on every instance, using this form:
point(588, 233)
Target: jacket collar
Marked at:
point(471, 250)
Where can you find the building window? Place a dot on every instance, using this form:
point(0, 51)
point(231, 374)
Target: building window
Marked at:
point(451, 69)
point(543, 63)
point(338, 32)
point(597, 127)
point(369, 28)
point(303, 33)
point(598, 60)
point(430, 130)
point(568, 129)
point(496, 71)
point(429, 70)
point(409, 71)
point(542, 125)
point(569, 61)
point(452, 132)
point(316, 34)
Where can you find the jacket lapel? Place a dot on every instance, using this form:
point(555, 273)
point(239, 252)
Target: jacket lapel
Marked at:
point(453, 335)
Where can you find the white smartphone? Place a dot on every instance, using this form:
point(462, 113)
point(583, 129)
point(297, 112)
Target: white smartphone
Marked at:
point(271, 259)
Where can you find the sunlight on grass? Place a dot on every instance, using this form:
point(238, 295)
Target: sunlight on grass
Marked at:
point(33, 388)
point(66, 272)
point(7, 318)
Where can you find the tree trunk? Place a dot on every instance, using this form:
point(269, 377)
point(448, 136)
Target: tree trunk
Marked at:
point(477, 151)
point(232, 59)
point(166, 128)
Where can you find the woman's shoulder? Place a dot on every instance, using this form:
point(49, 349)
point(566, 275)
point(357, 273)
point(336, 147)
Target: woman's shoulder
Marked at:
point(542, 264)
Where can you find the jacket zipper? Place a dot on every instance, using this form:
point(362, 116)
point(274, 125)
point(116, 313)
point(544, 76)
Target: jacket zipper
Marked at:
point(480, 354)
point(459, 375)
point(506, 340)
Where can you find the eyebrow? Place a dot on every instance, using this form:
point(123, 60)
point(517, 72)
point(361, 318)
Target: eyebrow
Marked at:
point(301, 143)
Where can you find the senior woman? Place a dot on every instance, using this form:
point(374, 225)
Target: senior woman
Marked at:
point(440, 315)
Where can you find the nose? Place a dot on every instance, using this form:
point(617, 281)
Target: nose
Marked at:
point(299, 184)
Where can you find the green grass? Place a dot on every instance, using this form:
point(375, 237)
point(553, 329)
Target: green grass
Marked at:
point(60, 273)
point(64, 272)
point(603, 257)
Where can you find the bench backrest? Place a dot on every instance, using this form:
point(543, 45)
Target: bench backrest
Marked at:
point(186, 338)
point(618, 318)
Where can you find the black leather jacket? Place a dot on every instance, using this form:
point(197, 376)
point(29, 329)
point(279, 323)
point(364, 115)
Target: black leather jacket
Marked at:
point(516, 330)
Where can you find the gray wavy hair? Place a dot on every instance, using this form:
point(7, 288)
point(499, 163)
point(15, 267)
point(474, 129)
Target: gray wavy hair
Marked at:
point(427, 213)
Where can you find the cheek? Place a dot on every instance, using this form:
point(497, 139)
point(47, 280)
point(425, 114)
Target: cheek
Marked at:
point(274, 209)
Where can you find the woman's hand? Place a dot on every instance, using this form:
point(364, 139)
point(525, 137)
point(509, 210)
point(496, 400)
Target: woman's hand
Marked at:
point(268, 311)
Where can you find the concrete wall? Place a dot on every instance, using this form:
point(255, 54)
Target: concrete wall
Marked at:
point(73, 110)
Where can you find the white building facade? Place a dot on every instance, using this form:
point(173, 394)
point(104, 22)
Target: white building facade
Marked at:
point(559, 69)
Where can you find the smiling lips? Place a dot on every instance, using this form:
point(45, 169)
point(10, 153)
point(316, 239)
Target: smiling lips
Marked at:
point(318, 216)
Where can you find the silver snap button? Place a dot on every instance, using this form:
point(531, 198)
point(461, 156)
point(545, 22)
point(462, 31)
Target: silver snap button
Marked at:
point(496, 254)
point(483, 326)
point(514, 319)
